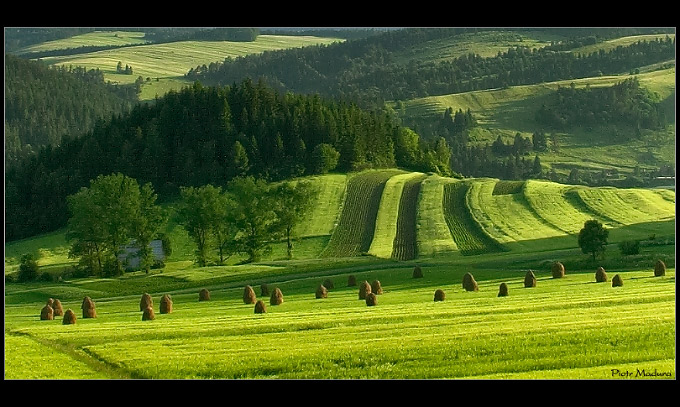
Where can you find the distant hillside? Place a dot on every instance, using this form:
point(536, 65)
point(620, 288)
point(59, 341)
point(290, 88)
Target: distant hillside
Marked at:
point(43, 104)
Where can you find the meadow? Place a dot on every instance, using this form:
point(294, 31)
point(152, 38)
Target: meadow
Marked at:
point(177, 57)
point(568, 328)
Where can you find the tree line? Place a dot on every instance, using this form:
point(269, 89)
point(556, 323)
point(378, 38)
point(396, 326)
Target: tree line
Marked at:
point(368, 70)
point(42, 104)
point(209, 135)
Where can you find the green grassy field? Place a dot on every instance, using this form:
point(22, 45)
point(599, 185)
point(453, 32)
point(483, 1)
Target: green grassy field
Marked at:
point(165, 64)
point(95, 38)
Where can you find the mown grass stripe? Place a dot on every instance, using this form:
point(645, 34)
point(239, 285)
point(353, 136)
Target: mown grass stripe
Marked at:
point(405, 242)
point(432, 231)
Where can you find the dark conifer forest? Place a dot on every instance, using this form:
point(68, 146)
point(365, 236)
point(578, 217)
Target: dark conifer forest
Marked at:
point(207, 135)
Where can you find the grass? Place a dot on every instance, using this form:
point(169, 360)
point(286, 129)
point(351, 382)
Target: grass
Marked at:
point(170, 61)
point(618, 42)
point(432, 232)
point(95, 38)
point(388, 214)
point(405, 246)
point(354, 233)
point(324, 214)
point(566, 328)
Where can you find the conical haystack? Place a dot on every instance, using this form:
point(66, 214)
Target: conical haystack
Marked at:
point(57, 307)
point(46, 313)
point(166, 304)
point(264, 290)
point(371, 299)
point(204, 295)
point(260, 307)
point(557, 270)
point(148, 314)
point(145, 302)
point(88, 308)
point(659, 268)
point(364, 289)
point(328, 283)
point(351, 281)
point(321, 291)
point(376, 288)
point(276, 297)
point(617, 281)
point(249, 295)
point(69, 317)
point(600, 275)
point(529, 279)
point(439, 295)
point(503, 290)
point(469, 283)
point(417, 272)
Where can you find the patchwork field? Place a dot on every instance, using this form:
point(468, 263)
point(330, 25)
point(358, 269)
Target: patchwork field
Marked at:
point(177, 58)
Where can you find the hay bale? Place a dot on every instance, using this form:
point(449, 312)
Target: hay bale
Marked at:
point(557, 270)
point(204, 295)
point(351, 281)
point(276, 297)
point(148, 314)
point(439, 295)
point(58, 309)
point(145, 302)
point(376, 288)
point(503, 290)
point(46, 313)
point(617, 281)
point(417, 272)
point(249, 295)
point(529, 279)
point(321, 291)
point(371, 299)
point(469, 283)
point(600, 275)
point(166, 304)
point(88, 308)
point(69, 317)
point(364, 290)
point(264, 290)
point(328, 283)
point(260, 307)
point(659, 268)
point(50, 301)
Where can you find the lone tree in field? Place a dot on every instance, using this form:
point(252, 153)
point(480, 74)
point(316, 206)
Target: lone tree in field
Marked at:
point(293, 202)
point(199, 214)
point(600, 275)
point(28, 269)
point(659, 268)
point(593, 238)
point(469, 283)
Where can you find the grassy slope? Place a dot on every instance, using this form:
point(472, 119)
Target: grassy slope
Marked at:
point(170, 61)
point(432, 232)
point(96, 38)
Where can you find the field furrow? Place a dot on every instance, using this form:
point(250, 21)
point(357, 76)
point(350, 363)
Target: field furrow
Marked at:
point(467, 233)
point(405, 243)
point(628, 206)
point(432, 231)
point(507, 217)
point(547, 199)
point(356, 227)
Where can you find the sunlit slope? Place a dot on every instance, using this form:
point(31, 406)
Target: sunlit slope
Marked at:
point(354, 232)
point(628, 206)
point(388, 215)
point(432, 232)
point(91, 39)
point(324, 212)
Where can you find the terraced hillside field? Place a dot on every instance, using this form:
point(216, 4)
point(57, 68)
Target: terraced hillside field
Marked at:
point(432, 232)
point(466, 232)
point(354, 232)
point(405, 241)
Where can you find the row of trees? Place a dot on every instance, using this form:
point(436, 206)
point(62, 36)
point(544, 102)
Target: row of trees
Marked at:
point(206, 135)
point(370, 71)
point(625, 103)
point(43, 104)
point(244, 218)
point(111, 213)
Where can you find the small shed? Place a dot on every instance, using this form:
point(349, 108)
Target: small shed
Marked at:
point(130, 254)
